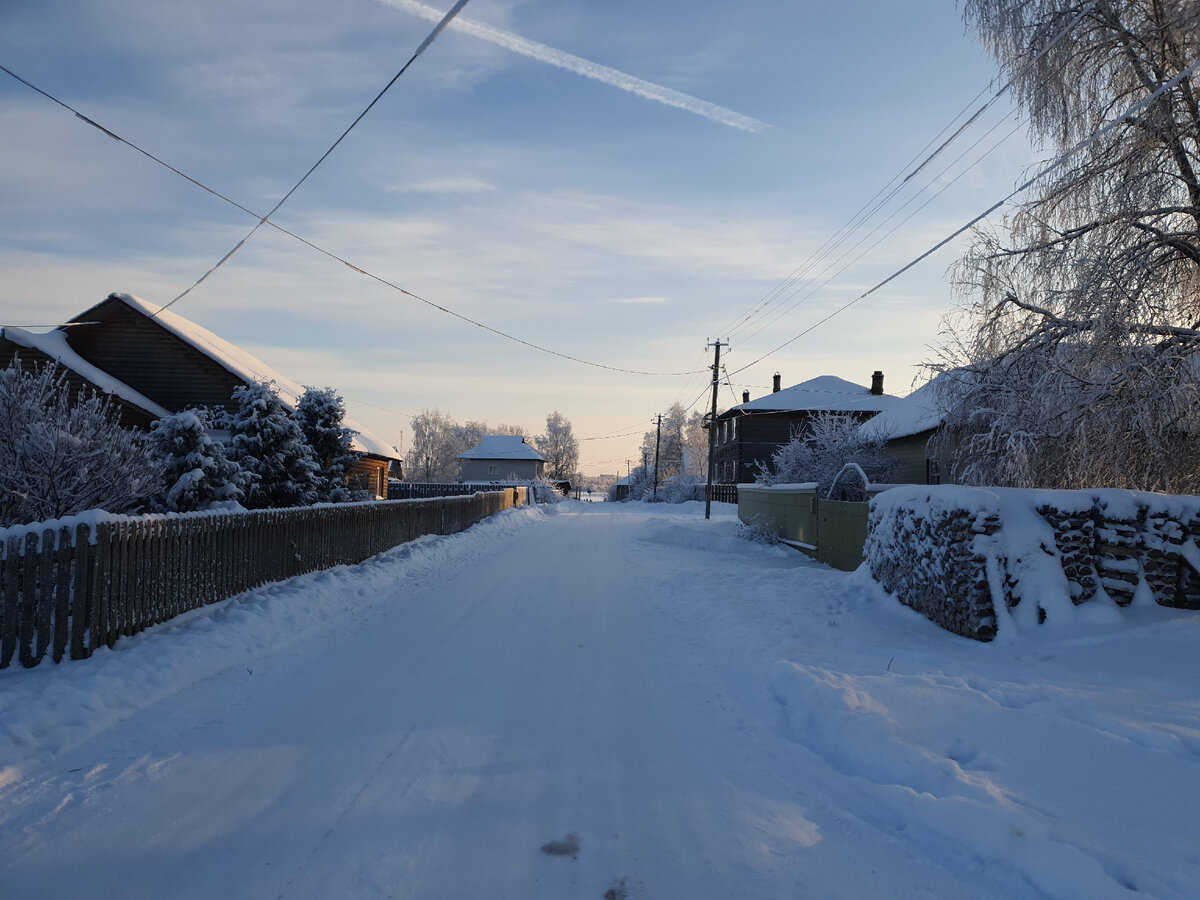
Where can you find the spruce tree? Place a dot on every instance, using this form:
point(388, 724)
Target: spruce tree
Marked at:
point(320, 414)
point(195, 470)
point(267, 442)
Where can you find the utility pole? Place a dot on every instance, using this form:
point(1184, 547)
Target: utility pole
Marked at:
point(712, 425)
point(657, 439)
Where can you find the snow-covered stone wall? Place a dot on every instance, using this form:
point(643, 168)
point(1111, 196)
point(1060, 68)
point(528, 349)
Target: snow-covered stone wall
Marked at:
point(981, 561)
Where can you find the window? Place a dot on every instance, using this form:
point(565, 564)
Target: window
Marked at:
point(933, 472)
point(492, 470)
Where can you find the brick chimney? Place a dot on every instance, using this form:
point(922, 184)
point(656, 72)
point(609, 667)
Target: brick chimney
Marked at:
point(877, 383)
point(775, 384)
point(745, 396)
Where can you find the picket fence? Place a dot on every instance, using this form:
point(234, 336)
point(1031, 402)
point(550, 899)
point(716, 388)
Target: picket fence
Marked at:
point(76, 588)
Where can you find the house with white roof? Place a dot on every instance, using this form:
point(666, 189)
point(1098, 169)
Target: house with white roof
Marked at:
point(501, 457)
point(35, 350)
point(748, 434)
point(906, 429)
point(166, 363)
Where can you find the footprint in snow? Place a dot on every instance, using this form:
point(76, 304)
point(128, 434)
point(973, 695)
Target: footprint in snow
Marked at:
point(568, 846)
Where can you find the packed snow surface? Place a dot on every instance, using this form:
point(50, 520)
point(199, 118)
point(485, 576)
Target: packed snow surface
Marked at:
point(605, 700)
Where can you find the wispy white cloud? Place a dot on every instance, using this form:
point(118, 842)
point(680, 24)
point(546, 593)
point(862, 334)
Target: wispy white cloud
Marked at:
point(460, 185)
point(584, 67)
point(639, 301)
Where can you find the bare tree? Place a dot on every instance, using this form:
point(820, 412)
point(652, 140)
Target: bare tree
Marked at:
point(1076, 360)
point(62, 453)
point(559, 446)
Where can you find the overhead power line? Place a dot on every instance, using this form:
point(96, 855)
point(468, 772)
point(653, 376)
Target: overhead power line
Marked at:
point(359, 269)
point(889, 191)
point(263, 221)
point(1058, 161)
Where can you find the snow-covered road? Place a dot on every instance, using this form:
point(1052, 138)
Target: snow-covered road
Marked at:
point(598, 701)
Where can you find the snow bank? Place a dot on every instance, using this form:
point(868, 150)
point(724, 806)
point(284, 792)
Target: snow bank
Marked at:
point(983, 561)
point(48, 709)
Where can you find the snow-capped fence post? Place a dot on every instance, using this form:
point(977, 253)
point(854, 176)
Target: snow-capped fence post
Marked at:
point(8, 612)
point(81, 595)
point(60, 570)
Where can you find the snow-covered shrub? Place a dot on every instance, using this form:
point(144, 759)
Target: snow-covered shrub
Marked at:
point(195, 472)
point(63, 453)
point(757, 532)
point(320, 414)
point(822, 448)
point(681, 489)
point(268, 443)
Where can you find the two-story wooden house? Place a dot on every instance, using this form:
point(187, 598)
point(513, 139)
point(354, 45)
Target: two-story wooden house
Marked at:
point(748, 434)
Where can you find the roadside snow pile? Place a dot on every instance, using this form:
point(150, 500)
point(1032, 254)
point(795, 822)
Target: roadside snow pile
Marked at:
point(52, 708)
point(988, 561)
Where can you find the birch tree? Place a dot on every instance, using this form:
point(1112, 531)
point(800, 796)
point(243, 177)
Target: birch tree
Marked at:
point(1075, 358)
point(559, 446)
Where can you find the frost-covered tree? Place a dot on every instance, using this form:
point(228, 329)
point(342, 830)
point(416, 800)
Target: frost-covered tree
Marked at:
point(268, 443)
point(437, 440)
point(559, 446)
point(1076, 359)
point(320, 414)
point(820, 449)
point(194, 470)
point(62, 453)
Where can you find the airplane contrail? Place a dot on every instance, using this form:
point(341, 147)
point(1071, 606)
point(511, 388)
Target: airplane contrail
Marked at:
point(586, 68)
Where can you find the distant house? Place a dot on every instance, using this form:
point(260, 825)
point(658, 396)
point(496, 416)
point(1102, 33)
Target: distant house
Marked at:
point(907, 429)
point(501, 457)
point(748, 434)
point(37, 350)
point(175, 364)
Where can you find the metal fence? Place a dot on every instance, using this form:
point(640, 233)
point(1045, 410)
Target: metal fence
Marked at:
point(72, 589)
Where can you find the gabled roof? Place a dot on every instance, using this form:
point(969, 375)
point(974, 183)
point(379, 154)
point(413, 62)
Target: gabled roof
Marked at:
point(825, 393)
point(244, 366)
point(502, 446)
point(53, 345)
point(907, 416)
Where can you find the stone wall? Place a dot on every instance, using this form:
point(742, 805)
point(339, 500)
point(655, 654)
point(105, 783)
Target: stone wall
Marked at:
point(975, 560)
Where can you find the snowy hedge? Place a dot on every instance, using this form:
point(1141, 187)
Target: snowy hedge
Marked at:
point(982, 561)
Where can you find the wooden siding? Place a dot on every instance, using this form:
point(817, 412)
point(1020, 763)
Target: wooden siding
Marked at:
point(517, 469)
point(911, 455)
point(149, 358)
point(370, 473)
point(129, 415)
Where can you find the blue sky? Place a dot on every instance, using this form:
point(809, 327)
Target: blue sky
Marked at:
point(538, 192)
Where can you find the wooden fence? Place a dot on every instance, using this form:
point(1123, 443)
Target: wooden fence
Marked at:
point(723, 493)
point(74, 589)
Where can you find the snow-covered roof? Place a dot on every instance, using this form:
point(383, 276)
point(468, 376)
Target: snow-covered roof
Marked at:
point(54, 345)
point(907, 416)
point(825, 393)
point(502, 446)
point(247, 367)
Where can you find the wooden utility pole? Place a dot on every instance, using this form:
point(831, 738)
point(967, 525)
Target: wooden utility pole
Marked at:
point(712, 426)
point(657, 439)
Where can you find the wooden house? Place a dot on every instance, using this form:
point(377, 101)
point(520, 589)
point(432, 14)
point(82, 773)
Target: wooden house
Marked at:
point(907, 429)
point(35, 350)
point(177, 364)
point(748, 434)
point(501, 457)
